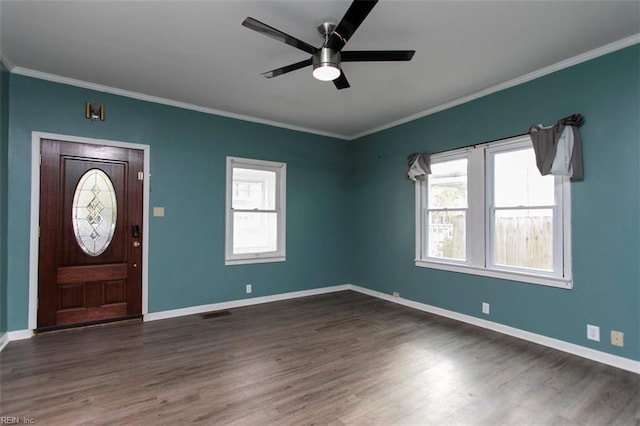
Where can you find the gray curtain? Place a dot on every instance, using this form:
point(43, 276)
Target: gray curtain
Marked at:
point(558, 148)
point(418, 166)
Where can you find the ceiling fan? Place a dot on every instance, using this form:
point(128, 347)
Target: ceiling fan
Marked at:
point(326, 59)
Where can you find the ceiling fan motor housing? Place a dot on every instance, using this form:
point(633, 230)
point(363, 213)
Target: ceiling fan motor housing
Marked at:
point(326, 57)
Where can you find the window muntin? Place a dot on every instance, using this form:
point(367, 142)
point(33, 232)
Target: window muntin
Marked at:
point(255, 211)
point(503, 188)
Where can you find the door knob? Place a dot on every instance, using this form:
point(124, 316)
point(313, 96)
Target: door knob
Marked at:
point(136, 243)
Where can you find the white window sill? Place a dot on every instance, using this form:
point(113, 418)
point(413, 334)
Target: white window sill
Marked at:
point(505, 275)
point(247, 261)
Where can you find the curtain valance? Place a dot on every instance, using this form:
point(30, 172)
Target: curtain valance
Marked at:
point(418, 166)
point(558, 148)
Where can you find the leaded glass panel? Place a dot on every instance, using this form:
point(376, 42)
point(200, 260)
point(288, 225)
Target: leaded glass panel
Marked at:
point(94, 212)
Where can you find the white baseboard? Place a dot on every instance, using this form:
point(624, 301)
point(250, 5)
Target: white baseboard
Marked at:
point(4, 341)
point(242, 302)
point(26, 334)
point(581, 351)
point(10, 336)
point(584, 352)
point(19, 335)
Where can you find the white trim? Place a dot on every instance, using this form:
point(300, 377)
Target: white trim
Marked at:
point(35, 213)
point(19, 335)
point(255, 163)
point(4, 341)
point(418, 219)
point(228, 262)
point(561, 188)
point(280, 208)
point(495, 273)
point(476, 187)
point(567, 63)
point(164, 101)
point(34, 231)
point(9, 65)
point(581, 351)
point(480, 184)
point(584, 352)
point(567, 226)
point(243, 302)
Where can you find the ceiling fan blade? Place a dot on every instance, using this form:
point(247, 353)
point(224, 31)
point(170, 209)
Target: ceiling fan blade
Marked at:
point(350, 22)
point(288, 68)
point(265, 29)
point(376, 55)
point(341, 82)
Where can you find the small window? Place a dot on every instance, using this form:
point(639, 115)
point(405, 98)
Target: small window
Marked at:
point(255, 217)
point(486, 210)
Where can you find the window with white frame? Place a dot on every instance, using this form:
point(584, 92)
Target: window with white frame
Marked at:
point(486, 210)
point(446, 210)
point(255, 213)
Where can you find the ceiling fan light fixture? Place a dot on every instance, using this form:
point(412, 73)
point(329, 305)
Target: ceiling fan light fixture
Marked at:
point(326, 64)
point(326, 72)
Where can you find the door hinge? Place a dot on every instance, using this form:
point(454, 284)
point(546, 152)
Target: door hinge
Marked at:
point(40, 159)
point(140, 175)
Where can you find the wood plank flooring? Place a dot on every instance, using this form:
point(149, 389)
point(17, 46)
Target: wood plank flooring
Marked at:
point(341, 358)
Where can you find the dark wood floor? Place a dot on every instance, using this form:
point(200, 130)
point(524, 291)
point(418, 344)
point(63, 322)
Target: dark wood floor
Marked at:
point(342, 358)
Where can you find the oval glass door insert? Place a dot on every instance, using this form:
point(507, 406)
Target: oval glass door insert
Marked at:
point(94, 212)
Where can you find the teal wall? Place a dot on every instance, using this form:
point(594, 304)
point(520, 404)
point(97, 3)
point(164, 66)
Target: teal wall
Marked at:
point(605, 215)
point(188, 150)
point(350, 210)
point(4, 144)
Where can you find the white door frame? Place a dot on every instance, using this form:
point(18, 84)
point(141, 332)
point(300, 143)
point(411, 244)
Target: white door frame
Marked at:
point(35, 214)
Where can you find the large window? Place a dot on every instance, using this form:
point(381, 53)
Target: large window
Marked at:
point(488, 211)
point(255, 230)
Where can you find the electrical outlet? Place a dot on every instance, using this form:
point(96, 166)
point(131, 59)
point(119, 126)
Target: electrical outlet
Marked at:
point(486, 308)
point(396, 294)
point(593, 332)
point(248, 288)
point(617, 338)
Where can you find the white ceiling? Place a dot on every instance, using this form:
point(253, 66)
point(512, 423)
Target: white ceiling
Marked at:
point(197, 52)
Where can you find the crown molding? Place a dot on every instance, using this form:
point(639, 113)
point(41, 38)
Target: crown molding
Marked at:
point(156, 99)
point(592, 54)
point(7, 63)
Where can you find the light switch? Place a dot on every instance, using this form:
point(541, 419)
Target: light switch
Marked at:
point(158, 211)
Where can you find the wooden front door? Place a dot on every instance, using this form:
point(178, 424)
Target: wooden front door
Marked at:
point(90, 254)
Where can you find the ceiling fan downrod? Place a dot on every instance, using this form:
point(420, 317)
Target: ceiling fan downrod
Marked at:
point(326, 61)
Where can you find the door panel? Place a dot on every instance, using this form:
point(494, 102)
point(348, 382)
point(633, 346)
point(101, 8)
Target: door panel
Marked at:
point(74, 274)
point(103, 280)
